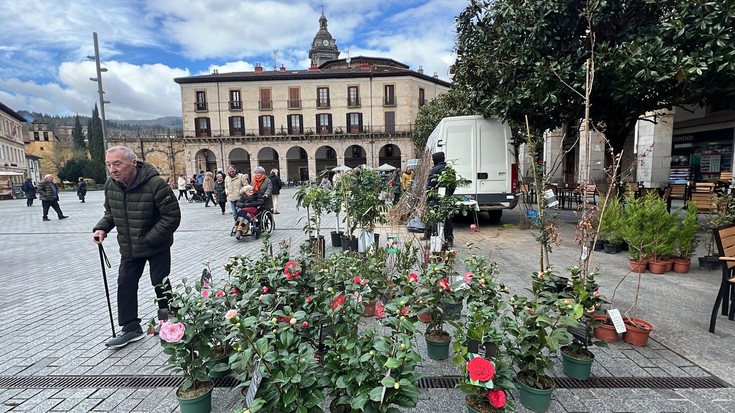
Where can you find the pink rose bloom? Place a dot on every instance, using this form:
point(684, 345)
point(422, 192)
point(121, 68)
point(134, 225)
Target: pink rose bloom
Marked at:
point(205, 293)
point(468, 277)
point(172, 332)
point(220, 294)
point(230, 313)
point(413, 277)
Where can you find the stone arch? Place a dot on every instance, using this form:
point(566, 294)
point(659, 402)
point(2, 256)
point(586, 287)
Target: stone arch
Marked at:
point(390, 154)
point(297, 164)
point(268, 159)
point(240, 158)
point(355, 155)
point(205, 160)
point(325, 158)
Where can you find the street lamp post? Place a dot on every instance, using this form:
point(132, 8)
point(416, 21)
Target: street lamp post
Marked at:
point(101, 92)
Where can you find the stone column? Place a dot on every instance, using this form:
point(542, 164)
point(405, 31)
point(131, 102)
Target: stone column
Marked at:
point(653, 148)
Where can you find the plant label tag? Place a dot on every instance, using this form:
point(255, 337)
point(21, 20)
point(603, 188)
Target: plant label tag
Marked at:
point(255, 379)
point(551, 200)
point(617, 320)
point(392, 244)
point(485, 350)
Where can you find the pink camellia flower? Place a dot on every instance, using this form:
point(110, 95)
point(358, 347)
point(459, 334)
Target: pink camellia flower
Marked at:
point(379, 310)
point(220, 294)
point(235, 291)
point(205, 293)
point(356, 296)
point(540, 276)
point(404, 311)
point(497, 398)
point(357, 279)
point(304, 324)
point(230, 313)
point(468, 276)
point(308, 299)
point(172, 332)
point(480, 369)
point(596, 293)
point(413, 277)
point(266, 290)
point(205, 284)
point(444, 284)
point(291, 270)
point(292, 321)
point(338, 301)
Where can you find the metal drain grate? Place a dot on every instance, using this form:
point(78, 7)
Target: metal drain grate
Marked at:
point(430, 382)
point(100, 382)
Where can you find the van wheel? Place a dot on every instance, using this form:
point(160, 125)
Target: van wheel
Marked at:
point(495, 215)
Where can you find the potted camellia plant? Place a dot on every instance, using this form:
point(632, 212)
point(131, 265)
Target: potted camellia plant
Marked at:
point(539, 327)
point(186, 340)
point(436, 295)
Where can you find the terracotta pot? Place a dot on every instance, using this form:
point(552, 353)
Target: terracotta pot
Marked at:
point(669, 264)
point(605, 332)
point(681, 265)
point(657, 267)
point(638, 266)
point(637, 331)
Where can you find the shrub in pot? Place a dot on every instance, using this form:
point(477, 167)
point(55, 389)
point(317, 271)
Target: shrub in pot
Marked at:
point(687, 241)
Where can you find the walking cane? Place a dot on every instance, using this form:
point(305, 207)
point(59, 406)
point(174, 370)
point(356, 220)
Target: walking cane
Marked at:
point(104, 261)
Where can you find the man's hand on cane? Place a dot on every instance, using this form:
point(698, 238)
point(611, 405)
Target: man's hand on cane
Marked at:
point(99, 236)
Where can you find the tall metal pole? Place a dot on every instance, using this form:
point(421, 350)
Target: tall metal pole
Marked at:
point(100, 90)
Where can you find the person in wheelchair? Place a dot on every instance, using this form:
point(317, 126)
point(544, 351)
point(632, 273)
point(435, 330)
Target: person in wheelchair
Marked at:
point(248, 204)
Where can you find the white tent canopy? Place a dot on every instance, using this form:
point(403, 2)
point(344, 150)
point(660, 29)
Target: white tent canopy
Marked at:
point(385, 168)
point(341, 168)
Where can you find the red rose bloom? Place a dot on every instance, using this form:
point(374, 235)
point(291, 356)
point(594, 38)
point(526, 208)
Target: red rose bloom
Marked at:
point(338, 301)
point(480, 369)
point(379, 310)
point(497, 398)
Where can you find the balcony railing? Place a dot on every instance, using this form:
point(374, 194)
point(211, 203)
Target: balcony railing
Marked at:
point(265, 105)
point(236, 105)
point(389, 101)
point(322, 104)
point(353, 102)
point(200, 106)
point(294, 103)
point(304, 132)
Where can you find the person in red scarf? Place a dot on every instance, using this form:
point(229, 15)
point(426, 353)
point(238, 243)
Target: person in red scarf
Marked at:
point(263, 186)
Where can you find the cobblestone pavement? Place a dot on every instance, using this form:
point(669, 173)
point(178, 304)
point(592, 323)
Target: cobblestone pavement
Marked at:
point(54, 318)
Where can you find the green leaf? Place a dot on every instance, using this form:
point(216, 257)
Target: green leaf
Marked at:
point(392, 363)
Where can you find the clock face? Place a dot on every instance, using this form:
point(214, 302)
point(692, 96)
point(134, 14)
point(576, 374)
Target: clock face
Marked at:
point(325, 42)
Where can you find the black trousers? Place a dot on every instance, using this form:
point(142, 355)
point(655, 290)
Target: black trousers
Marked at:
point(448, 230)
point(128, 279)
point(183, 192)
point(51, 204)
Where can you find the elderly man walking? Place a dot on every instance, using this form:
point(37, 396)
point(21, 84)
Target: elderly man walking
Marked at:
point(146, 213)
point(49, 195)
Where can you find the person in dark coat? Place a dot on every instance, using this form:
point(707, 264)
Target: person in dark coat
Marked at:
point(219, 191)
point(433, 201)
point(30, 191)
point(144, 209)
point(49, 195)
point(276, 184)
point(248, 203)
point(81, 189)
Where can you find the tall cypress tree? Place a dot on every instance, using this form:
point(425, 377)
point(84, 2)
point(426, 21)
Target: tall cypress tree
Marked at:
point(77, 135)
point(96, 144)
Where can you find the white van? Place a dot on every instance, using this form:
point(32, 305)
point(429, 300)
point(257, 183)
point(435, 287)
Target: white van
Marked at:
point(480, 150)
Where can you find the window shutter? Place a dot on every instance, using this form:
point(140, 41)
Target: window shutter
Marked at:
point(318, 126)
point(359, 121)
point(301, 124)
point(273, 124)
point(347, 123)
point(260, 125)
point(329, 120)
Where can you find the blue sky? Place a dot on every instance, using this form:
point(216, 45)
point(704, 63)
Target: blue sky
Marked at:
point(44, 45)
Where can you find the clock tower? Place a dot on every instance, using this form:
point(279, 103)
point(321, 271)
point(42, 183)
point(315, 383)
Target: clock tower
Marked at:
point(323, 47)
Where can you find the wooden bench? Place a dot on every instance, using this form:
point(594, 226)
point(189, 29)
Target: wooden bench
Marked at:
point(679, 191)
point(725, 240)
point(704, 201)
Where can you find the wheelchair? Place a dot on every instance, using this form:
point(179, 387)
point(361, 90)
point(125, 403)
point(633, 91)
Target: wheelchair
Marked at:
point(262, 223)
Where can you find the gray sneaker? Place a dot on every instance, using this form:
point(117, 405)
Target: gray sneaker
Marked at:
point(124, 338)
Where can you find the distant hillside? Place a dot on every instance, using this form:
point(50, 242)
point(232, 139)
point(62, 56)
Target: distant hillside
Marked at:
point(154, 125)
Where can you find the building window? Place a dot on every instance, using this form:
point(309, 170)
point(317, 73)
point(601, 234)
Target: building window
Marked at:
point(201, 101)
point(354, 122)
point(235, 100)
point(35, 136)
point(294, 98)
point(295, 123)
point(422, 97)
point(389, 151)
point(390, 95)
point(265, 102)
point(330, 153)
point(353, 96)
point(202, 127)
point(45, 136)
point(390, 122)
point(322, 97)
point(324, 123)
point(237, 126)
point(265, 125)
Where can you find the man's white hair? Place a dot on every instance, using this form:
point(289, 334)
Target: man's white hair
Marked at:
point(127, 152)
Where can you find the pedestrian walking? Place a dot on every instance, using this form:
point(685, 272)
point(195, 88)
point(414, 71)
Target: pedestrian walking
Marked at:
point(208, 186)
point(81, 190)
point(145, 211)
point(181, 183)
point(219, 191)
point(234, 182)
point(326, 183)
point(30, 189)
point(277, 184)
point(49, 195)
point(395, 182)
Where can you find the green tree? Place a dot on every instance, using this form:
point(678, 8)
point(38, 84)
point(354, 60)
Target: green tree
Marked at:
point(452, 103)
point(77, 135)
point(96, 143)
point(523, 58)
